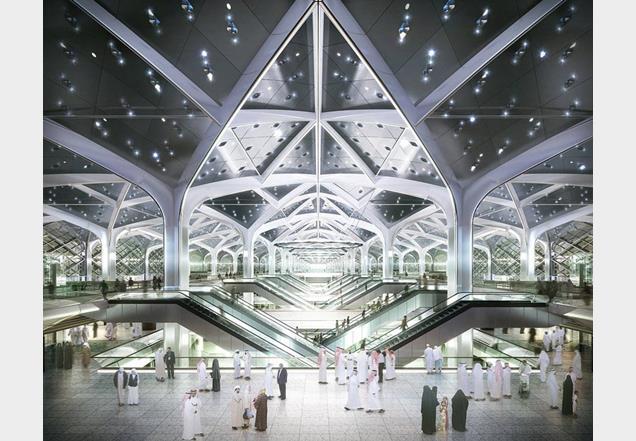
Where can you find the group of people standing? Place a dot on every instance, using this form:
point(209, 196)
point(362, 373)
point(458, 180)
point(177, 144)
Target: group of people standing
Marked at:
point(127, 383)
point(433, 359)
point(431, 423)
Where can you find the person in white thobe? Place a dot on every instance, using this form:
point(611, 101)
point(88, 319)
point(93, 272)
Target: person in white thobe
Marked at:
point(349, 363)
point(237, 408)
point(554, 338)
point(203, 375)
point(561, 332)
point(363, 370)
point(353, 398)
point(553, 389)
point(109, 331)
point(192, 416)
point(133, 388)
point(544, 362)
point(237, 365)
point(557, 360)
point(507, 381)
point(576, 365)
point(497, 381)
point(373, 390)
point(247, 365)
point(489, 378)
point(478, 383)
point(547, 341)
point(390, 365)
point(136, 330)
point(121, 381)
point(438, 359)
point(429, 358)
point(340, 367)
point(160, 366)
point(269, 381)
point(84, 335)
point(524, 374)
point(322, 366)
point(462, 379)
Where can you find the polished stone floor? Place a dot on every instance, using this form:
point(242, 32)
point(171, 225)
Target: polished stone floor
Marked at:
point(81, 405)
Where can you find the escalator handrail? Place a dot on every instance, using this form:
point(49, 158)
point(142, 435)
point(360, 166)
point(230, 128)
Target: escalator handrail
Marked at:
point(350, 295)
point(127, 342)
point(500, 351)
point(453, 300)
point(272, 289)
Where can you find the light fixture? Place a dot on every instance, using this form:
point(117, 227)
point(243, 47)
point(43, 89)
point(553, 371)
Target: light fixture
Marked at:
point(187, 7)
point(153, 20)
point(542, 54)
point(72, 21)
point(405, 25)
point(154, 82)
point(69, 52)
point(567, 52)
point(426, 74)
point(115, 52)
point(520, 52)
point(481, 82)
point(569, 82)
point(447, 9)
point(481, 21)
point(565, 19)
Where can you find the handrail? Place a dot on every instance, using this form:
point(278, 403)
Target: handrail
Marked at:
point(127, 342)
point(274, 290)
point(345, 297)
point(497, 349)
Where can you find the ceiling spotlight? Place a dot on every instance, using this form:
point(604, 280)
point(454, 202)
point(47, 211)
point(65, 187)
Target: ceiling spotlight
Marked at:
point(69, 52)
point(93, 54)
point(67, 83)
point(404, 29)
point(230, 25)
point(569, 82)
point(154, 82)
point(582, 167)
point(565, 19)
point(72, 21)
point(481, 21)
point(153, 20)
point(207, 70)
point(542, 54)
point(473, 167)
point(567, 52)
point(426, 73)
point(115, 52)
point(481, 82)
point(520, 52)
point(187, 7)
point(447, 9)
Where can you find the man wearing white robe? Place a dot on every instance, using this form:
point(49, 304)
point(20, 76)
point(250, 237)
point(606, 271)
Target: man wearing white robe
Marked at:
point(269, 381)
point(576, 365)
point(557, 360)
point(349, 364)
point(478, 383)
point(438, 359)
point(429, 358)
point(390, 365)
point(353, 398)
point(340, 367)
point(363, 371)
point(322, 366)
point(237, 365)
point(462, 379)
point(546, 341)
point(247, 365)
point(203, 375)
point(524, 374)
point(84, 335)
point(136, 330)
point(109, 331)
point(561, 332)
point(507, 380)
point(489, 378)
point(553, 389)
point(133, 388)
point(192, 416)
point(160, 365)
point(554, 338)
point(497, 381)
point(373, 397)
point(544, 362)
point(121, 381)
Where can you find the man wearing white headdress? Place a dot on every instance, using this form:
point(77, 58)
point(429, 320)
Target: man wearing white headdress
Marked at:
point(247, 365)
point(506, 388)
point(390, 365)
point(462, 379)
point(136, 330)
point(353, 398)
point(121, 381)
point(373, 397)
point(237, 365)
point(544, 362)
point(340, 366)
point(576, 364)
point(489, 378)
point(269, 381)
point(203, 375)
point(363, 363)
point(554, 338)
point(133, 388)
point(84, 335)
point(192, 416)
point(237, 408)
point(438, 359)
point(160, 366)
point(478, 383)
point(553, 389)
point(497, 381)
point(561, 335)
point(109, 331)
point(524, 375)
point(557, 360)
point(322, 366)
point(349, 364)
point(429, 358)
point(547, 341)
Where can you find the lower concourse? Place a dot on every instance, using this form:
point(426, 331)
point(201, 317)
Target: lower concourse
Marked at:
point(329, 185)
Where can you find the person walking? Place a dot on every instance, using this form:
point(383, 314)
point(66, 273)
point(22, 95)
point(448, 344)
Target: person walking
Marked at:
point(169, 358)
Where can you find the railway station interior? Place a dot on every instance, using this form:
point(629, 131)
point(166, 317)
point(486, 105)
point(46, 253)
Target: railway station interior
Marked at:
point(380, 196)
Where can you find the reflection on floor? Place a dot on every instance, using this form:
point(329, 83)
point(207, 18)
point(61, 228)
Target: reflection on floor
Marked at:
point(81, 405)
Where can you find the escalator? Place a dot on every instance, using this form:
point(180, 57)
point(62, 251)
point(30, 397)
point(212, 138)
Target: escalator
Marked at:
point(345, 284)
point(295, 281)
point(263, 335)
point(362, 292)
point(486, 305)
point(269, 291)
point(491, 348)
point(137, 353)
point(285, 284)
